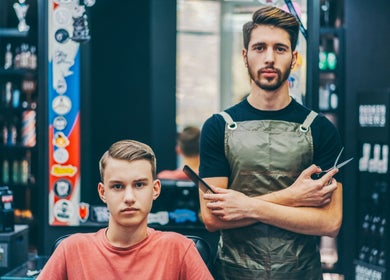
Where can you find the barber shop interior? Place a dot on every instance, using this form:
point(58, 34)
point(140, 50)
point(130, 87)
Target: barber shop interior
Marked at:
point(194, 139)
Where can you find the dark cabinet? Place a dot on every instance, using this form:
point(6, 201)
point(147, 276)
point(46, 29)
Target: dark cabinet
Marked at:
point(372, 258)
point(326, 93)
point(19, 109)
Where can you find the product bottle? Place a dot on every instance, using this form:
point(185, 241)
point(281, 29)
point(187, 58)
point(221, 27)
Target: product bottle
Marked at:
point(5, 134)
point(331, 60)
point(15, 98)
point(33, 58)
point(8, 94)
point(324, 14)
point(24, 55)
point(15, 172)
point(17, 58)
point(12, 134)
point(322, 62)
point(5, 172)
point(8, 57)
point(24, 171)
point(333, 98)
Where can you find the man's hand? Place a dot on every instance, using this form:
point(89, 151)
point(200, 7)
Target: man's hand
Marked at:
point(227, 204)
point(306, 191)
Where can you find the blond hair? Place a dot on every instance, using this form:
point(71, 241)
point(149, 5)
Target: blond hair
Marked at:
point(129, 150)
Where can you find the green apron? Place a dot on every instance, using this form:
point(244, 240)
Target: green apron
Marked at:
point(266, 156)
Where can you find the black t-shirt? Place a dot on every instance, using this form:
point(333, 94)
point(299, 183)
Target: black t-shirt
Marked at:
point(213, 163)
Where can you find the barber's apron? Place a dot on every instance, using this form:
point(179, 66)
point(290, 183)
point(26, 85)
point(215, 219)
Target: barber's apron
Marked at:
point(266, 156)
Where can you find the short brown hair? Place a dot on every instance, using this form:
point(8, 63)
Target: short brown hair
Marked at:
point(269, 15)
point(188, 141)
point(129, 150)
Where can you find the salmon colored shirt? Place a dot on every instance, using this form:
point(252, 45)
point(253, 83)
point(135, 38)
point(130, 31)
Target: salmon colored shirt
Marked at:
point(162, 255)
point(177, 174)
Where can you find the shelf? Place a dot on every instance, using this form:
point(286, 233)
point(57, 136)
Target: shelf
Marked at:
point(328, 72)
point(12, 32)
point(331, 31)
point(9, 110)
point(15, 148)
point(18, 71)
point(20, 186)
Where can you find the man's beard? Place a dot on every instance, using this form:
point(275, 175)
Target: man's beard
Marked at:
point(280, 79)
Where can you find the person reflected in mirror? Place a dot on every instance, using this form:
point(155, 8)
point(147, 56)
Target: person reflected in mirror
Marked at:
point(187, 149)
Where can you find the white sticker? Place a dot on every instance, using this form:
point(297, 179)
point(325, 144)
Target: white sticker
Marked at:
point(62, 16)
point(60, 123)
point(61, 155)
point(61, 105)
point(63, 210)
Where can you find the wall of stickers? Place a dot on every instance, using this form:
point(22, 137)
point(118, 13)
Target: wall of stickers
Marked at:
point(68, 28)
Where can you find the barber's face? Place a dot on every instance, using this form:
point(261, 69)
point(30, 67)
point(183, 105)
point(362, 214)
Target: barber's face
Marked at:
point(269, 57)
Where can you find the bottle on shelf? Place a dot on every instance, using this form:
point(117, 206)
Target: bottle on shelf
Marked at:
point(5, 172)
point(15, 98)
point(24, 56)
point(12, 135)
point(327, 13)
point(8, 57)
point(15, 171)
point(8, 94)
point(17, 58)
point(33, 58)
point(322, 62)
point(324, 14)
point(331, 60)
point(24, 171)
point(5, 134)
point(333, 97)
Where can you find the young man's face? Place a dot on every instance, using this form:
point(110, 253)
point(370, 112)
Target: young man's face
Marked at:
point(129, 191)
point(269, 57)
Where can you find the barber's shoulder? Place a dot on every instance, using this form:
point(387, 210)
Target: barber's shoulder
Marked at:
point(326, 122)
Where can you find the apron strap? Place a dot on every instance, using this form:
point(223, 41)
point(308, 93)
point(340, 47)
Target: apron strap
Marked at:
point(232, 125)
point(308, 121)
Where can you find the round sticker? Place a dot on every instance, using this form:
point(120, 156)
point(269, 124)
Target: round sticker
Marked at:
point(63, 210)
point(61, 86)
point(62, 16)
point(61, 105)
point(62, 188)
point(61, 155)
point(60, 140)
point(61, 35)
point(60, 123)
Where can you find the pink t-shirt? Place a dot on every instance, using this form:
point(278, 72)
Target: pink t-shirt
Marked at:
point(162, 255)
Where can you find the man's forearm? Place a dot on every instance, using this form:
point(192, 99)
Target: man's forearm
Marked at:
point(324, 220)
point(305, 191)
point(231, 209)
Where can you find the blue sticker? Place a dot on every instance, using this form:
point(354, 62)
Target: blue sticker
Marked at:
point(61, 36)
point(182, 215)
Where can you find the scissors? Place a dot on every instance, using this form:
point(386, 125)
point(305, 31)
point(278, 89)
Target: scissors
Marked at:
point(336, 164)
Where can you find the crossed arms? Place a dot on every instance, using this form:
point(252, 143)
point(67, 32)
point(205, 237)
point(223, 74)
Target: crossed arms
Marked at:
point(308, 206)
